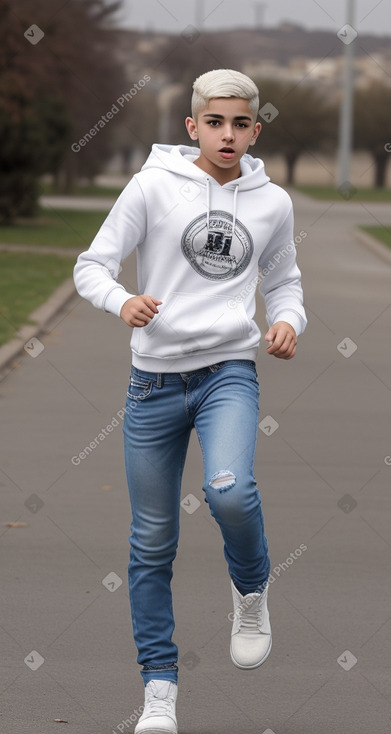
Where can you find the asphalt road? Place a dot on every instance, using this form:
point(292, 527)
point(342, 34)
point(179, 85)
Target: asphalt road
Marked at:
point(324, 474)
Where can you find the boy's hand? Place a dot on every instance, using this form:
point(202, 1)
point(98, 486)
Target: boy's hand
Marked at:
point(139, 310)
point(284, 340)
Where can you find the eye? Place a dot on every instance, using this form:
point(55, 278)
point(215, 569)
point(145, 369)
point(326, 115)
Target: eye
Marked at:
point(213, 123)
point(241, 124)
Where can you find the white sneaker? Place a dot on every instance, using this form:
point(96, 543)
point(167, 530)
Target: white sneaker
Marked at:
point(159, 716)
point(251, 639)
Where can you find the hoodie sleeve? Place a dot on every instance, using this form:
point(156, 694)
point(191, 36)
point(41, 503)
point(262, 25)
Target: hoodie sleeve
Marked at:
point(96, 271)
point(281, 281)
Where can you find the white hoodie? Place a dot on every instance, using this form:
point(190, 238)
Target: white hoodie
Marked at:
point(202, 249)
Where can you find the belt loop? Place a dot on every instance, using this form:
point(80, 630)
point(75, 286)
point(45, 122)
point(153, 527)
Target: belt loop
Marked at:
point(159, 379)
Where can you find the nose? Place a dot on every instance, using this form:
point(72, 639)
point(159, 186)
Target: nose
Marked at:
point(228, 133)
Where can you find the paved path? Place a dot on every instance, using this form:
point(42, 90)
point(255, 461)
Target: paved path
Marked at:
point(324, 475)
point(89, 203)
point(40, 249)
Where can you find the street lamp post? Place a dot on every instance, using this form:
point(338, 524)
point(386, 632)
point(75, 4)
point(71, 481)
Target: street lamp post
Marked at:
point(199, 14)
point(259, 14)
point(346, 108)
point(165, 100)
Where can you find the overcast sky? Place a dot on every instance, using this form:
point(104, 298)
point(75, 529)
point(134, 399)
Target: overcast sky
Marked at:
point(371, 16)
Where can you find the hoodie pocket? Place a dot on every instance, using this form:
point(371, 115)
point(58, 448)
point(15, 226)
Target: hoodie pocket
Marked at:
point(190, 322)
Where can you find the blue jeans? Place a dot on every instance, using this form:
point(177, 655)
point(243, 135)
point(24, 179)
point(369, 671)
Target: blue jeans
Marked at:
point(221, 402)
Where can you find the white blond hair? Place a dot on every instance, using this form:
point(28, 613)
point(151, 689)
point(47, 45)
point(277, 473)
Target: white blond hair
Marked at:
point(223, 83)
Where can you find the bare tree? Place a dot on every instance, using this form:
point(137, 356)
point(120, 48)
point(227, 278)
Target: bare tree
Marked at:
point(62, 64)
point(372, 108)
point(296, 120)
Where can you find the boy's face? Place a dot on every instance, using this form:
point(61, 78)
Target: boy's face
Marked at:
point(225, 128)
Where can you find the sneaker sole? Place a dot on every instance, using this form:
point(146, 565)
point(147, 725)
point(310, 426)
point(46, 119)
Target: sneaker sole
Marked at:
point(256, 665)
point(157, 731)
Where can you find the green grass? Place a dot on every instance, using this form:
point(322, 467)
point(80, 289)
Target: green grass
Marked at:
point(48, 189)
point(330, 194)
point(26, 281)
point(381, 233)
point(62, 228)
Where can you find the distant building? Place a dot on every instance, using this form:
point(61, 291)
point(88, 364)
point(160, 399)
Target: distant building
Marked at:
point(326, 71)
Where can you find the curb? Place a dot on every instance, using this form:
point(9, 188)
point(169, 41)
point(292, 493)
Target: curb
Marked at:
point(41, 316)
point(379, 249)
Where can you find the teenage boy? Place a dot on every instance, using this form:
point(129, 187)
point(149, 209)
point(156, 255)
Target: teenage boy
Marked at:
point(207, 224)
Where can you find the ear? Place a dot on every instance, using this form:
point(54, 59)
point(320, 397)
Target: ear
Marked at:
point(191, 127)
point(257, 130)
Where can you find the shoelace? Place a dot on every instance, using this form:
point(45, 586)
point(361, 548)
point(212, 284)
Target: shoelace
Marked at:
point(158, 705)
point(249, 619)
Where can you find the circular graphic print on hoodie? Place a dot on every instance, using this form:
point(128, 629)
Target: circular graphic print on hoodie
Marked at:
point(217, 253)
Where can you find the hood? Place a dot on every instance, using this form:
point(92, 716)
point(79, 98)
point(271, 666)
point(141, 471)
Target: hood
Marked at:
point(179, 159)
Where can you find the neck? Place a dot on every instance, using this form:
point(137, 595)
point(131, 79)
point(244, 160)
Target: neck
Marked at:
point(221, 175)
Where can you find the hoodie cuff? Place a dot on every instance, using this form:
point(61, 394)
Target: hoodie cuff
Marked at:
point(115, 299)
point(292, 318)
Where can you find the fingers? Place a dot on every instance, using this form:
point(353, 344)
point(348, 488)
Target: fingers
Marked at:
point(284, 343)
point(138, 321)
point(151, 304)
point(286, 351)
point(148, 311)
point(139, 310)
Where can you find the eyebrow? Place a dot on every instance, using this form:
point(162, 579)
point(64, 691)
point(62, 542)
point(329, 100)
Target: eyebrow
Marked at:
point(221, 117)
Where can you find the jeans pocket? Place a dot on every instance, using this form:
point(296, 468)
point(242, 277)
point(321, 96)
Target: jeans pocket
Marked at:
point(139, 388)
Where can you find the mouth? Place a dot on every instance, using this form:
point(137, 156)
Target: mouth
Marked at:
point(227, 153)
